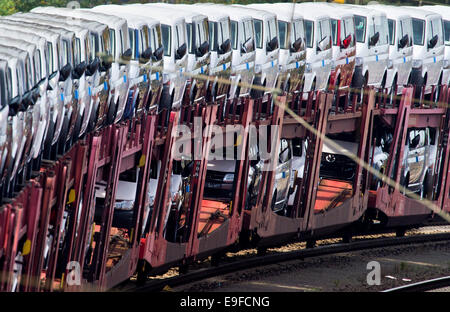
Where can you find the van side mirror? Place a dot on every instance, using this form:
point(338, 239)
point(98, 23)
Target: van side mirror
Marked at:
point(14, 106)
point(346, 42)
point(126, 57)
point(158, 54)
point(374, 39)
point(323, 44)
point(225, 47)
point(146, 55)
point(64, 73)
point(181, 51)
point(415, 141)
point(297, 45)
point(202, 49)
point(272, 44)
point(433, 41)
point(92, 67)
point(403, 42)
point(106, 63)
point(79, 70)
point(247, 46)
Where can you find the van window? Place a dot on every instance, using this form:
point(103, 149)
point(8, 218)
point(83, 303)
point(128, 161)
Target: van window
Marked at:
point(309, 33)
point(258, 33)
point(190, 37)
point(360, 28)
point(380, 26)
point(446, 32)
point(418, 30)
point(334, 30)
point(166, 39)
point(234, 37)
point(297, 31)
point(37, 65)
point(248, 33)
point(273, 33)
point(77, 51)
point(436, 29)
point(121, 42)
point(202, 30)
point(324, 31)
point(283, 34)
point(94, 45)
point(180, 36)
point(405, 29)
point(10, 90)
point(3, 92)
point(225, 30)
point(27, 71)
point(50, 64)
point(391, 26)
point(348, 29)
point(132, 42)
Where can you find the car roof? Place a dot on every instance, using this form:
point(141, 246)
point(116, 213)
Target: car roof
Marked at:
point(391, 11)
point(133, 20)
point(282, 13)
point(234, 12)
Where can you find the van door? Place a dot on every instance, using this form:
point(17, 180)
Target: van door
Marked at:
point(378, 52)
point(404, 50)
point(322, 63)
point(434, 55)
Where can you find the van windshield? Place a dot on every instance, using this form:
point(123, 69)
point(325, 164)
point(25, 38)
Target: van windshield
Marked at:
point(258, 32)
point(309, 33)
point(283, 34)
point(360, 28)
point(166, 38)
point(447, 32)
point(418, 30)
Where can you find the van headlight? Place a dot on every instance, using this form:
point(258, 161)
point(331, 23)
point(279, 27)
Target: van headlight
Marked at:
point(165, 78)
point(359, 61)
point(308, 68)
point(257, 68)
point(417, 63)
point(446, 63)
point(229, 177)
point(390, 64)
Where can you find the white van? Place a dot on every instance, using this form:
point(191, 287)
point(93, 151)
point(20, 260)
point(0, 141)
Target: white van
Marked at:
point(5, 97)
point(318, 42)
point(291, 37)
point(243, 46)
point(219, 47)
point(120, 51)
point(400, 47)
point(81, 82)
point(445, 12)
point(428, 50)
point(35, 109)
point(198, 47)
point(372, 46)
point(59, 74)
point(144, 35)
point(42, 63)
point(175, 58)
point(267, 46)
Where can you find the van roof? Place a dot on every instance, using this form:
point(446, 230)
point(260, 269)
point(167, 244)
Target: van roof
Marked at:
point(160, 15)
point(16, 52)
point(418, 12)
point(34, 38)
point(282, 13)
point(133, 20)
point(391, 11)
point(256, 13)
point(212, 14)
point(307, 11)
point(357, 9)
point(439, 9)
point(334, 12)
point(48, 34)
point(35, 23)
point(37, 18)
point(188, 16)
point(234, 12)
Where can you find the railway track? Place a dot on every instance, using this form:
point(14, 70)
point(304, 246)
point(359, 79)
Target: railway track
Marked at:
point(422, 286)
point(279, 257)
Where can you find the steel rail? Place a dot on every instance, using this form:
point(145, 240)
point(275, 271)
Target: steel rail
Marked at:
point(435, 283)
point(257, 261)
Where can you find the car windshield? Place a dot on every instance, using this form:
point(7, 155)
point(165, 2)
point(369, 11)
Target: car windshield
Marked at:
point(447, 32)
point(418, 30)
point(309, 33)
point(334, 30)
point(283, 34)
point(258, 32)
point(360, 28)
point(166, 38)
